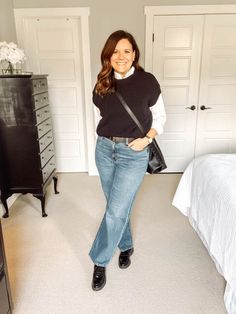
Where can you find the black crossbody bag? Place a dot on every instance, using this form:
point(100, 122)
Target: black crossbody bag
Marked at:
point(156, 159)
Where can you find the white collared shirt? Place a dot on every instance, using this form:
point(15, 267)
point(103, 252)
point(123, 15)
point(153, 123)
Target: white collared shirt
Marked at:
point(158, 110)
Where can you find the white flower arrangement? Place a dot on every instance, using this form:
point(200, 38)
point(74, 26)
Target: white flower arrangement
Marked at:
point(11, 53)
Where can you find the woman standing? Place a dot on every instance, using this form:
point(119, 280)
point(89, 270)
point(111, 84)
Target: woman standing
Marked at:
point(121, 151)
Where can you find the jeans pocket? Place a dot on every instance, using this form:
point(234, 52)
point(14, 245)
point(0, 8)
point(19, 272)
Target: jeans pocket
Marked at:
point(139, 151)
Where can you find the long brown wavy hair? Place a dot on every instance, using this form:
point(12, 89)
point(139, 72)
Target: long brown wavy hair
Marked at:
point(105, 79)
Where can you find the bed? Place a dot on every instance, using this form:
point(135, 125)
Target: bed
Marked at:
point(206, 194)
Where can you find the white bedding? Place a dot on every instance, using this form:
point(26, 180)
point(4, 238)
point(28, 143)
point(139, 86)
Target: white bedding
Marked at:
point(207, 195)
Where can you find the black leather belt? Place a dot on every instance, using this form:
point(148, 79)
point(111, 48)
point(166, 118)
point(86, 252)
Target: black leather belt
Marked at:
point(116, 139)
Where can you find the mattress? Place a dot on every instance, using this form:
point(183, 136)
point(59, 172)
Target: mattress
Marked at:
point(206, 194)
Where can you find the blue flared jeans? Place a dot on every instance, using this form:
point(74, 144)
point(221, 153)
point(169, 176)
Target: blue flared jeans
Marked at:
point(121, 171)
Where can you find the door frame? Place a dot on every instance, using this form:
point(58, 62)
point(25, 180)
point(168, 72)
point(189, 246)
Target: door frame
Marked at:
point(151, 11)
point(83, 14)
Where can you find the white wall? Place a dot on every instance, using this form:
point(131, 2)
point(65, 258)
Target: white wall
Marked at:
point(7, 23)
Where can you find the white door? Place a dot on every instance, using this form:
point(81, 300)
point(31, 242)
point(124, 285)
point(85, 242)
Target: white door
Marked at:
point(216, 129)
point(176, 64)
point(53, 46)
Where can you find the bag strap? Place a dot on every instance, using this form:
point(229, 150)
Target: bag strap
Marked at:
point(130, 112)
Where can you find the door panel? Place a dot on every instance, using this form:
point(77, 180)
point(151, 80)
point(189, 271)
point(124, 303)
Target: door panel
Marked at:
point(216, 128)
point(53, 47)
point(176, 64)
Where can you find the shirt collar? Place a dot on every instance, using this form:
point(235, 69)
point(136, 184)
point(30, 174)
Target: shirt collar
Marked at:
point(118, 76)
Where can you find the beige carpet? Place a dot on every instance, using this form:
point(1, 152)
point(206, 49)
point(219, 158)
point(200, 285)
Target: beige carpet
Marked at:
point(50, 271)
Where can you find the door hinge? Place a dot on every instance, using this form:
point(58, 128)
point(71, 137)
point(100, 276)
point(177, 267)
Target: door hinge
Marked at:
point(153, 37)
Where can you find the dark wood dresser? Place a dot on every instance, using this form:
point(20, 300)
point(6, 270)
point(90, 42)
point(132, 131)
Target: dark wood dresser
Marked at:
point(6, 304)
point(27, 158)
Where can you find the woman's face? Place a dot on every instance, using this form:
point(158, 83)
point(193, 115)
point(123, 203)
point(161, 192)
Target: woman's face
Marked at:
point(123, 57)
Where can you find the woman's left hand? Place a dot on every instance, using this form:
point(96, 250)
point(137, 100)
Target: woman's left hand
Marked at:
point(139, 144)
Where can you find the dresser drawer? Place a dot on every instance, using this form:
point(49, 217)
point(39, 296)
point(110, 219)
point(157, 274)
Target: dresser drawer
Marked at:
point(44, 127)
point(47, 154)
point(41, 100)
point(45, 140)
point(40, 85)
point(42, 114)
point(48, 169)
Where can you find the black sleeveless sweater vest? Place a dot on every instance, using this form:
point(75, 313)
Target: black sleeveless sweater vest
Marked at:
point(141, 91)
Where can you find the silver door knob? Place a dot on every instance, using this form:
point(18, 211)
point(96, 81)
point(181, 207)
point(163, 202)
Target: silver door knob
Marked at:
point(205, 108)
point(191, 108)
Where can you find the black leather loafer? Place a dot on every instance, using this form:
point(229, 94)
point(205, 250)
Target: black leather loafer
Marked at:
point(124, 258)
point(99, 278)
